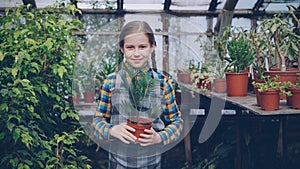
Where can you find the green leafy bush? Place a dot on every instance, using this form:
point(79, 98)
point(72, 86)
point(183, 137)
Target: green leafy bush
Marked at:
point(38, 128)
point(240, 54)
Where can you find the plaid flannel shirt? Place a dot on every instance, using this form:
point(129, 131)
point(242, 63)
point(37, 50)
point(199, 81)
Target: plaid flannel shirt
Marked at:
point(171, 113)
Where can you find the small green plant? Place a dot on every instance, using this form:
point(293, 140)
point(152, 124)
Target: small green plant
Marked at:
point(141, 88)
point(218, 69)
point(106, 67)
point(288, 84)
point(270, 83)
point(240, 54)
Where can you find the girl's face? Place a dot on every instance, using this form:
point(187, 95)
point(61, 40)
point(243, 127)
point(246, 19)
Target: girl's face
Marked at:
point(137, 49)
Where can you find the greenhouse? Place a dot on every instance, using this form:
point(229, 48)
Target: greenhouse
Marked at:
point(170, 84)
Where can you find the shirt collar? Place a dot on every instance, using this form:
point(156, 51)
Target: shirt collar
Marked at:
point(144, 69)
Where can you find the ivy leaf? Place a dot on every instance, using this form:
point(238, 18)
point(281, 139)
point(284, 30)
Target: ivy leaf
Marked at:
point(1, 56)
point(14, 72)
point(45, 89)
point(16, 134)
point(2, 135)
point(61, 70)
point(63, 116)
point(30, 41)
point(48, 43)
point(4, 107)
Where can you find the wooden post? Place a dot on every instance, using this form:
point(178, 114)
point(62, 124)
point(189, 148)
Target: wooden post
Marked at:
point(225, 17)
point(120, 4)
point(165, 20)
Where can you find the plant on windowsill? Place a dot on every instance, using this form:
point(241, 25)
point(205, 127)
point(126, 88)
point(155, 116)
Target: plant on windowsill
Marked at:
point(144, 104)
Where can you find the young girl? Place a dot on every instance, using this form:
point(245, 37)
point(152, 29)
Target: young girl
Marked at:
point(136, 42)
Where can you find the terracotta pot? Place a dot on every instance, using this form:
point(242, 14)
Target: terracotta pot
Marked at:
point(289, 75)
point(255, 89)
point(237, 84)
point(295, 98)
point(270, 100)
point(220, 85)
point(184, 77)
point(139, 124)
point(88, 97)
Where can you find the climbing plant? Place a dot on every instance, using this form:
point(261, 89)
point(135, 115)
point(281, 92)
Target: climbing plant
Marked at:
point(38, 127)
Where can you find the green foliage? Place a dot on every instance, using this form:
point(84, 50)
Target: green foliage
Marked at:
point(282, 41)
point(86, 71)
point(140, 86)
point(109, 65)
point(38, 128)
point(270, 83)
point(259, 46)
point(240, 54)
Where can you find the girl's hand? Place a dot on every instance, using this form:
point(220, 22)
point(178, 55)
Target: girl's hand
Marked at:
point(151, 137)
point(122, 132)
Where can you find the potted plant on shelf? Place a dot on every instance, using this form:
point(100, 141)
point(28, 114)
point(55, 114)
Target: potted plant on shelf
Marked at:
point(269, 93)
point(258, 67)
point(184, 72)
point(107, 66)
point(75, 97)
point(86, 71)
point(239, 58)
point(293, 96)
point(202, 76)
point(144, 104)
point(219, 81)
point(283, 47)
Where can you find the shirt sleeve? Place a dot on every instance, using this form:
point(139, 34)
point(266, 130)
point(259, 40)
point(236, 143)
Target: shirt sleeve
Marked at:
point(102, 115)
point(172, 115)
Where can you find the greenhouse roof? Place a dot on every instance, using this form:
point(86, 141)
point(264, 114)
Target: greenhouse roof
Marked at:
point(210, 5)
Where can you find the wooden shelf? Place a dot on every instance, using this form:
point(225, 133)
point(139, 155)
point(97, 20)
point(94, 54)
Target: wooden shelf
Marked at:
point(248, 102)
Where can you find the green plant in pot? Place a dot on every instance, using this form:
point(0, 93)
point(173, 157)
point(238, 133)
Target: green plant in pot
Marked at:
point(283, 47)
point(259, 46)
point(239, 58)
point(184, 70)
point(269, 92)
point(86, 71)
point(293, 93)
point(281, 39)
point(203, 76)
point(219, 82)
point(107, 66)
point(144, 103)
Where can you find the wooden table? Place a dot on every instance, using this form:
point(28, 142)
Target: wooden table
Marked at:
point(244, 106)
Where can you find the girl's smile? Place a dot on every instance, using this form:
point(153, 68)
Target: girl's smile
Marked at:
point(137, 49)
